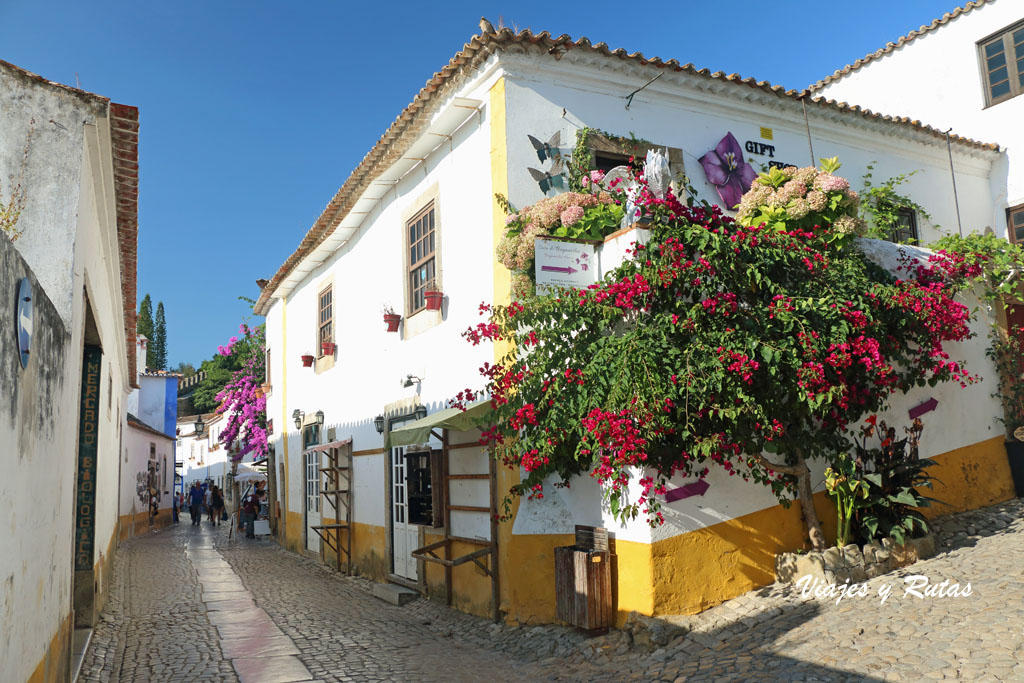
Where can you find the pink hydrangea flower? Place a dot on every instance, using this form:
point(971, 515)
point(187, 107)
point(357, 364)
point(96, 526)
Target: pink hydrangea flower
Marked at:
point(572, 215)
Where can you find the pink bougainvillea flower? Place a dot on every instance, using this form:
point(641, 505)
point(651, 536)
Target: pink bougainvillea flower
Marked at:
point(726, 170)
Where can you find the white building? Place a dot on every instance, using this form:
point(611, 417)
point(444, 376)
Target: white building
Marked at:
point(963, 71)
point(64, 411)
point(147, 472)
point(421, 207)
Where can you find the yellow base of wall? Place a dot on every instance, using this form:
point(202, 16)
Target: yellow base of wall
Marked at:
point(692, 572)
point(53, 667)
point(137, 524)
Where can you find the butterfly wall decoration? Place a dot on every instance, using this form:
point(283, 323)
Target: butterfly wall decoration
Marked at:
point(551, 178)
point(547, 150)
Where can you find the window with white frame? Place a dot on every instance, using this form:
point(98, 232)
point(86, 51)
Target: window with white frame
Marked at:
point(1002, 64)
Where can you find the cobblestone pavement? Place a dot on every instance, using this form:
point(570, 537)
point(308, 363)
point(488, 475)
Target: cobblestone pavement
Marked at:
point(269, 607)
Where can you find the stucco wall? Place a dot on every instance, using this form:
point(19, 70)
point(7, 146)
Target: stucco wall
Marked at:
point(38, 433)
point(69, 241)
point(134, 471)
point(937, 78)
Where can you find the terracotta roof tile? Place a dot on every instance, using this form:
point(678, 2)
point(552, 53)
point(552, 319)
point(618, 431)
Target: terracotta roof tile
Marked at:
point(405, 128)
point(889, 47)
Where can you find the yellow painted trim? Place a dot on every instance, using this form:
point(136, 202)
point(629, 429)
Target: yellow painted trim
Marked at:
point(284, 413)
point(53, 666)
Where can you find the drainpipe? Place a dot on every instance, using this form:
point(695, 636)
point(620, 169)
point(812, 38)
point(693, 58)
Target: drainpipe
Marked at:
point(952, 175)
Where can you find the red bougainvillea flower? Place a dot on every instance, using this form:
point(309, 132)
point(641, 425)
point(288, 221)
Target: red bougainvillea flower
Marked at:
point(726, 170)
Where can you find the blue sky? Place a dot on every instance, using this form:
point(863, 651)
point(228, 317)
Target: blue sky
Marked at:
point(253, 114)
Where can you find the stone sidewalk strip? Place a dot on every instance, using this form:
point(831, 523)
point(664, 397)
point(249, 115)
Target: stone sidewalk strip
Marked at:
point(289, 611)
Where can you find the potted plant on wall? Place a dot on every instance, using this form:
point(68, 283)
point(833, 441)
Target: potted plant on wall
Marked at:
point(391, 319)
point(307, 360)
point(434, 296)
point(328, 346)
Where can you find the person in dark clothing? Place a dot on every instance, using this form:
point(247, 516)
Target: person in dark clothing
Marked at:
point(250, 509)
point(217, 504)
point(195, 499)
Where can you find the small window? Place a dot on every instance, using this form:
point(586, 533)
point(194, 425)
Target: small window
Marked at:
point(1002, 64)
point(422, 262)
point(325, 320)
point(904, 231)
point(1015, 224)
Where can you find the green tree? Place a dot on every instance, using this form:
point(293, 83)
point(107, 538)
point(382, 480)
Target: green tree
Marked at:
point(145, 326)
point(219, 370)
point(184, 369)
point(159, 345)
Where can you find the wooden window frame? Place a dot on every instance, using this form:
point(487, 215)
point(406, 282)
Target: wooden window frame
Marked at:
point(1014, 74)
point(1011, 213)
point(425, 259)
point(321, 323)
point(266, 365)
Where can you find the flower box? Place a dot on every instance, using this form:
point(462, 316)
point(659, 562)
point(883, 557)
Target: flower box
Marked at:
point(328, 348)
point(307, 360)
point(392, 320)
point(434, 299)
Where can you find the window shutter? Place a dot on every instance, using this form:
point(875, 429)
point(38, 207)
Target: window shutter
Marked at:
point(437, 486)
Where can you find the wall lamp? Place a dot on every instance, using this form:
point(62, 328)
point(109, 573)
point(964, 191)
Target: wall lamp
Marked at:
point(410, 380)
point(378, 423)
point(420, 412)
point(199, 424)
point(319, 418)
point(297, 415)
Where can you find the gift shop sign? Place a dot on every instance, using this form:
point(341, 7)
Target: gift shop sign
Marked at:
point(564, 264)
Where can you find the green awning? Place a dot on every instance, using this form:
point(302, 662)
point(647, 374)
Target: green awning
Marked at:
point(457, 420)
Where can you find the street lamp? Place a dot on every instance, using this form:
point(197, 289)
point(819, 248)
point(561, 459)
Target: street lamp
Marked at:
point(297, 416)
point(320, 418)
point(378, 422)
point(199, 424)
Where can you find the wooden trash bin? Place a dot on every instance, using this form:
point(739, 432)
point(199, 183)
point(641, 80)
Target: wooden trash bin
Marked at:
point(583, 580)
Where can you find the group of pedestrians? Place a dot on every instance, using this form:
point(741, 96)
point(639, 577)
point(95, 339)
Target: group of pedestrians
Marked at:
point(210, 501)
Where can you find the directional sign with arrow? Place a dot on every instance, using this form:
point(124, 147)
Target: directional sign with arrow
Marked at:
point(564, 264)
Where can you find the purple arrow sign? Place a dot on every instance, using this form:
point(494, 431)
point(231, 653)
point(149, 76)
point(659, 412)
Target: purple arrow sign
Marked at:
point(926, 407)
point(568, 270)
point(697, 488)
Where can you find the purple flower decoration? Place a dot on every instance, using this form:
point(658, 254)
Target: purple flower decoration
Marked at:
point(726, 170)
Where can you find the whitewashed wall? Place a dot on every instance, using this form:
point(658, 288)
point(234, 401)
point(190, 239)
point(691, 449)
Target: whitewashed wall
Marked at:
point(70, 242)
point(367, 273)
point(937, 78)
point(135, 461)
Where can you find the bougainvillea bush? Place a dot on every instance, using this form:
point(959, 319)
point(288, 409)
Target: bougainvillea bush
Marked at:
point(242, 400)
point(750, 347)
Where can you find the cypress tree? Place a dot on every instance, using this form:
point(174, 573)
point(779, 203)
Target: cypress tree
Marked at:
point(159, 345)
point(145, 327)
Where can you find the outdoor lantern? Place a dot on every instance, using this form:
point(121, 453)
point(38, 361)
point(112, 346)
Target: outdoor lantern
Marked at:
point(320, 417)
point(297, 415)
point(378, 422)
point(420, 412)
point(199, 424)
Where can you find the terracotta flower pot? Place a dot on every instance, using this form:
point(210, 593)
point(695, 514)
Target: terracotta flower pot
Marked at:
point(392, 320)
point(307, 360)
point(434, 300)
point(328, 348)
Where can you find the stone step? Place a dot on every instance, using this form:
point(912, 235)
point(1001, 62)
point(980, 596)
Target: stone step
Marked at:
point(393, 593)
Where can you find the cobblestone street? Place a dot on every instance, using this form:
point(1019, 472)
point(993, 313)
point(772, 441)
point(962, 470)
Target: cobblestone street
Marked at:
point(190, 605)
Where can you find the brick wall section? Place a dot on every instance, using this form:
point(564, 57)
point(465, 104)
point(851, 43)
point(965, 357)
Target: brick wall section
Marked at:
point(124, 142)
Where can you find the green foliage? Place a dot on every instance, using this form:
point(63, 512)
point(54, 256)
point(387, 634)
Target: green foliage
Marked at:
point(184, 369)
point(894, 476)
point(597, 222)
point(219, 370)
point(159, 343)
point(145, 326)
point(881, 204)
point(849, 492)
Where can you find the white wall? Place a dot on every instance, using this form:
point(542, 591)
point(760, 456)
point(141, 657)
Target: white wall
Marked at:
point(937, 78)
point(134, 469)
point(368, 272)
point(70, 242)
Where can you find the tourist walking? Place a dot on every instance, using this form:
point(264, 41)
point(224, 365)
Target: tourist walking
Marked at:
point(174, 506)
point(217, 502)
point(195, 497)
point(250, 509)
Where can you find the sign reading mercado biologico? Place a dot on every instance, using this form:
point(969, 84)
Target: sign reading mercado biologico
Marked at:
point(564, 264)
point(87, 452)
